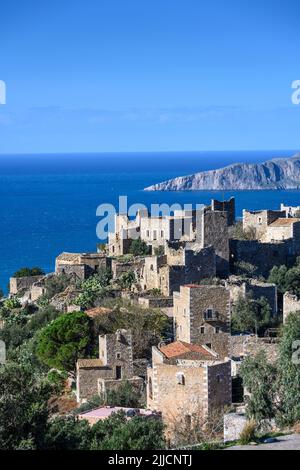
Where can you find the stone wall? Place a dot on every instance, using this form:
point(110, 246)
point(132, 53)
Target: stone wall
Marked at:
point(109, 385)
point(245, 345)
point(155, 302)
point(278, 233)
point(290, 211)
point(259, 220)
point(204, 388)
point(196, 265)
point(87, 381)
point(291, 303)
point(81, 271)
point(225, 206)
point(252, 289)
point(175, 400)
point(263, 255)
point(115, 350)
point(17, 284)
point(215, 233)
point(36, 291)
point(219, 385)
point(234, 424)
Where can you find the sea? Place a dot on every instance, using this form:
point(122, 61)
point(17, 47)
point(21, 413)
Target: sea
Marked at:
point(48, 202)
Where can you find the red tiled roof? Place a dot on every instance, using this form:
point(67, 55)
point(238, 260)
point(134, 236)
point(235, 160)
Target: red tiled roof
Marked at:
point(179, 348)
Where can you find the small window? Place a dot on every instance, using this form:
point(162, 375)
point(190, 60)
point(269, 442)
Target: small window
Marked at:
point(148, 233)
point(154, 234)
point(162, 234)
point(208, 345)
point(202, 330)
point(260, 220)
point(209, 313)
point(118, 372)
point(217, 330)
point(188, 421)
point(180, 379)
point(150, 388)
point(118, 355)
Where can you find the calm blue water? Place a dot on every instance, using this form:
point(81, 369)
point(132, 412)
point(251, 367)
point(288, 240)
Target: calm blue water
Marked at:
point(48, 202)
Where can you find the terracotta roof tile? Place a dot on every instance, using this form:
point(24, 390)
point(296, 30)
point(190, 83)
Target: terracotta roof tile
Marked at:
point(180, 348)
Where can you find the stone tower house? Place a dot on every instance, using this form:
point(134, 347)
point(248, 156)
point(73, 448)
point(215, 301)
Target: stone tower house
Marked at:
point(202, 316)
point(115, 351)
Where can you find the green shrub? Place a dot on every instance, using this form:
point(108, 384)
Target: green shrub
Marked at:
point(25, 272)
point(139, 248)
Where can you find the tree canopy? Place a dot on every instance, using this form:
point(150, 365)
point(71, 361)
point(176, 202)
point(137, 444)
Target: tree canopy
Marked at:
point(139, 248)
point(286, 279)
point(251, 315)
point(24, 272)
point(64, 341)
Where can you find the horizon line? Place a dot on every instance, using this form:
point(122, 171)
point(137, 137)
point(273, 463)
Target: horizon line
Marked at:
point(114, 152)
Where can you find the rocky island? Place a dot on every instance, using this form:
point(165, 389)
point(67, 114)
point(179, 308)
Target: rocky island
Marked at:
point(279, 173)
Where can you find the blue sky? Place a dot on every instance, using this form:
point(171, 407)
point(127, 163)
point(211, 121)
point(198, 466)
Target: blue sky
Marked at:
point(145, 75)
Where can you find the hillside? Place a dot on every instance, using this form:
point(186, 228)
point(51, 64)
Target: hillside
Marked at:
point(280, 173)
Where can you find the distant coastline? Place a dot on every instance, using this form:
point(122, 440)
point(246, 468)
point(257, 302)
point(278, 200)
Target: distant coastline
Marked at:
point(275, 174)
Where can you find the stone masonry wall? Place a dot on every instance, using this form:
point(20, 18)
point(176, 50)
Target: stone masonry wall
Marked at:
point(215, 233)
point(259, 220)
point(219, 385)
point(263, 255)
point(87, 381)
point(190, 324)
point(115, 350)
point(175, 400)
point(16, 284)
point(291, 303)
point(225, 206)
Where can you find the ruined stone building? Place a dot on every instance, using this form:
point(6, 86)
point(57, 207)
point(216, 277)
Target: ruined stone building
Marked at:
point(284, 229)
point(82, 265)
point(19, 284)
point(212, 230)
point(252, 289)
point(186, 382)
point(258, 221)
point(291, 304)
point(202, 316)
point(206, 226)
point(264, 256)
point(290, 211)
point(113, 368)
point(167, 273)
